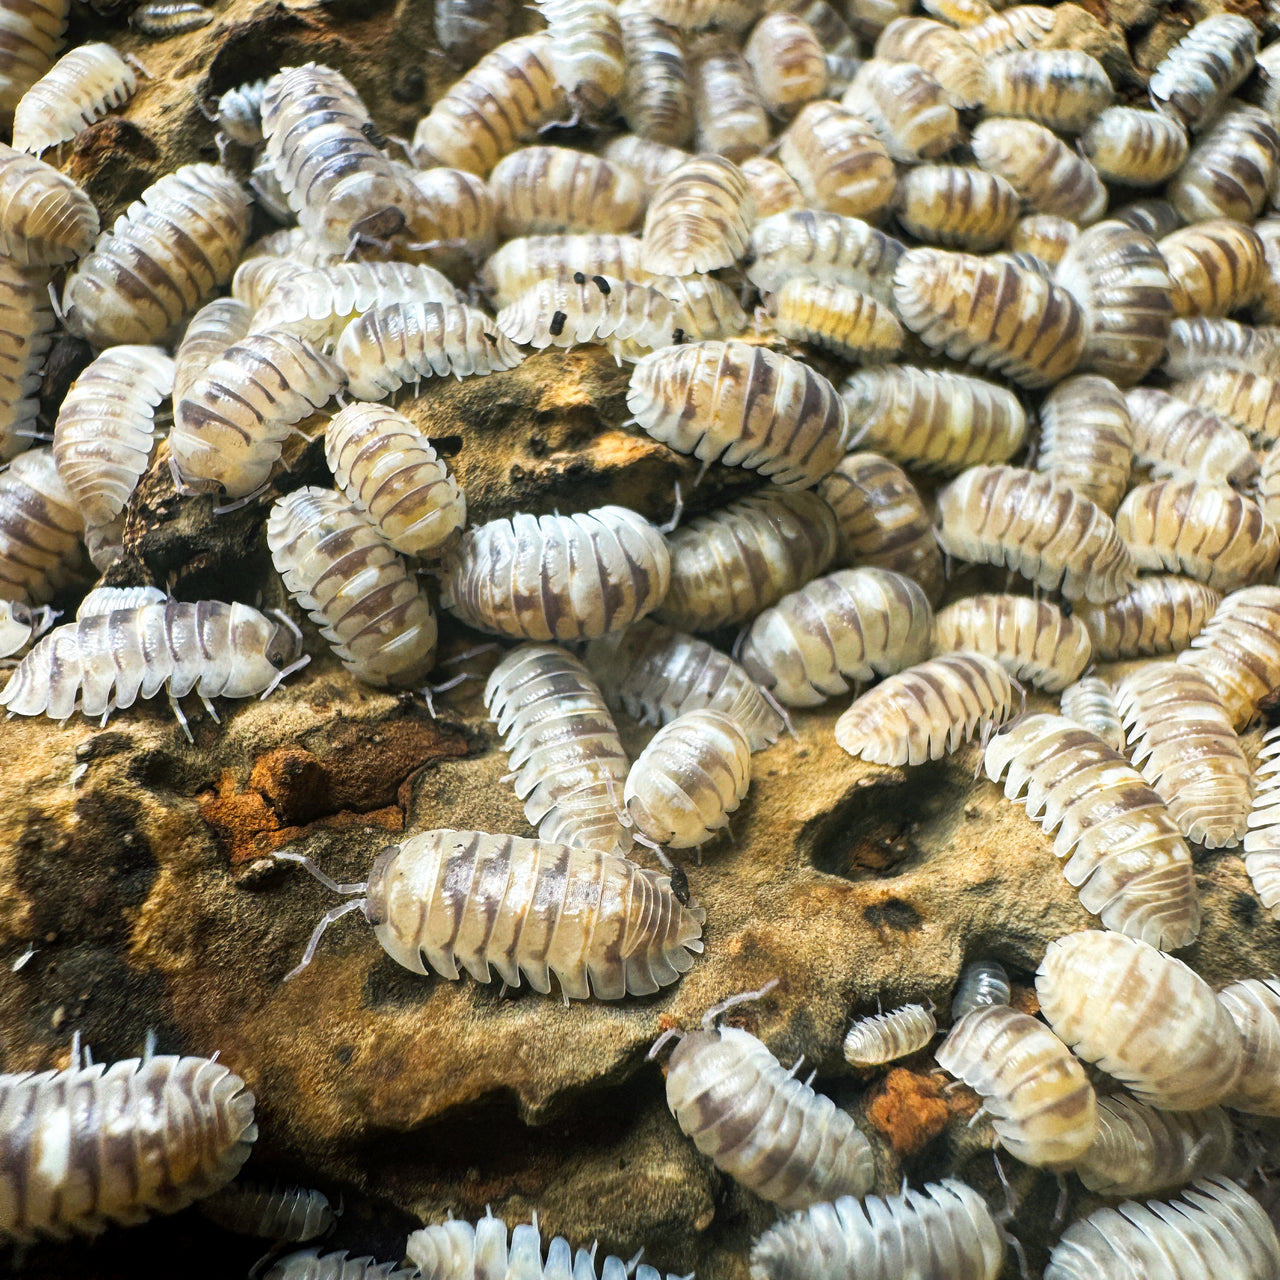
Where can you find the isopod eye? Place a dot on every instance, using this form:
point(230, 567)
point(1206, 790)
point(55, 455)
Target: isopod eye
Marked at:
point(276, 660)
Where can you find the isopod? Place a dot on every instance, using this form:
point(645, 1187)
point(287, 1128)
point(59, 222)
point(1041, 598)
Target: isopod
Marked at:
point(586, 52)
point(1092, 705)
point(79, 88)
point(1248, 401)
point(270, 1213)
point(1262, 843)
point(1177, 440)
point(1215, 266)
point(238, 112)
point(788, 63)
point(19, 625)
point(548, 190)
point(40, 529)
point(983, 983)
point(728, 112)
point(26, 332)
point(566, 311)
point(699, 219)
point(454, 215)
point(704, 306)
point(1122, 850)
point(827, 246)
point(837, 318)
point(170, 18)
point(1230, 170)
point(311, 1264)
point(833, 32)
point(215, 327)
point(1064, 89)
point(1041, 168)
point(657, 100)
point(884, 1037)
point(1238, 649)
point(1158, 614)
point(941, 51)
point(519, 264)
point(45, 219)
point(1205, 344)
point(956, 207)
point(469, 29)
point(602, 925)
point(906, 108)
point(1157, 218)
point(837, 162)
point(1043, 236)
point(649, 163)
point(1201, 71)
point(1254, 1006)
point(31, 36)
point(1021, 26)
point(772, 188)
point(1086, 439)
point(1135, 148)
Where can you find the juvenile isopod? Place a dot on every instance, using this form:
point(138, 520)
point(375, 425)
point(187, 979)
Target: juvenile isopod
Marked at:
point(927, 711)
point(1238, 650)
point(942, 51)
point(602, 925)
point(907, 109)
point(270, 1213)
point(699, 219)
point(1254, 1006)
point(1177, 440)
point(982, 983)
point(1158, 614)
point(1143, 1017)
point(1203, 344)
point(1041, 168)
point(956, 207)
point(28, 41)
point(40, 530)
point(657, 101)
point(827, 246)
point(1135, 148)
point(20, 624)
point(728, 112)
point(1091, 703)
point(1044, 237)
point(1216, 266)
point(1249, 401)
point(215, 327)
point(1231, 168)
point(788, 63)
point(548, 190)
point(469, 29)
point(45, 219)
point(1086, 439)
point(586, 52)
point(837, 318)
point(519, 264)
point(311, 1264)
point(837, 161)
point(79, 88)
point(557, 577)
point(649, 163)
point(884, 1037)
point(1201, 71)
point(1064, 89)
point(566, 311)
point(1011, 516)
point(26, 332)
point(1122, 850)
point(170, 18)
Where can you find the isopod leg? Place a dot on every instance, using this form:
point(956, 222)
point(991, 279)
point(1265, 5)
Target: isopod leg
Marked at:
point(743, 997)
point(182, 720)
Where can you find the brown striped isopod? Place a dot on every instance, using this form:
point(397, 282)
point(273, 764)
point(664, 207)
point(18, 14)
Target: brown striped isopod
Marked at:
point(519, 264)
point(649, 163)
point(1092, 705)
point(40, 529)
point(728, 112)
point(941, 51)
point(699, 219)
point(1086, 439)
point(1177, 440)
point(1135, 148)
point(1231, 168)
point(1043, 236)
point(837, 162)
point(454, 216)
point(838, 318)
point(957, 207)
point(657, 100)
point(26, 332)
point(1158, 614)
point(214, 328)
point(566, 311)
point(1254, 1006)
point(1238, 649)
point(82, 85)
point(31, 35)
point(1064, 89)
point(1202, 344)
point(45, 219)
point(787, 62)
point(1249, 401)
point(1019, 26)
point(885, 1037)
point(772, 188)
point(1262, 843)
point(550, 190)
point(167, 18)
point(827, 246)
point(1196, 76)
point(1041, 168)
point(1216, 266)
point(907, 109)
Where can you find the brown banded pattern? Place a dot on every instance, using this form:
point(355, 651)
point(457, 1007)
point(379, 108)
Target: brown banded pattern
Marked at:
point(586, 52)
point(885, 1037)
point(1135, 148)
point(454, 212)
point(1158, 614)
point(698, 220)
point(728, 112)
point(1199, 73)
point(1262, 843)
point(1231, 168)
point(1021, 26)
point(837, 162)
point(40, 529)
point(1041, 168)
point(787, 62)
point(45, 219)
point(1248, 401)
point(1175, 439)
point(26, 332)
point(772, 188)
point(1044, 237)
point(166, 18)
point(214, 328)
point(1063, 89)
point(837, 318)
point(1238, 650)
point(957, 207)
point(1216, 266)
point(550, 190)
point(942, 51)
point(1254, 1006)
point(28, 41)
point(1086, 439)
point(907, 109)
point(1205, 344)
point(519, 264)
point(826, 246)
point(649, 163)
point(657, 100)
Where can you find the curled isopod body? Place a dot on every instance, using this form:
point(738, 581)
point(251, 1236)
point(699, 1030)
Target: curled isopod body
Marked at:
point(232, 425)
point(1064, 89)
point(270, 1213)
point(657, 101)
point(743, 406)
point(699, 219)
point(1238, 649)
point(772, 188)
point(1215, 1229)
point(1122, 850)
point(956, 207)
point(1176, 439)
point(31, 36)
point(20, 624)
point(942, 51)
point(907, 109)
point(170, 18)
point(884, 1037)
point(1181, 738)
point(45, 219)
point(1135, 148)
point(846, 626)
point(1204, 344)
point(469, 29)
point(927, 711)
point(548, 190)
point(1032, 639)
point(601, 924)
point(1231, 168)
point(1216, 266)
point(1091, 704)
point(1041, 168)
point(214, 328)
point(826, 246)
point(1200, 72)
point(557, 577)
point(95, 1143)
point(1086, 439)
point(993, 314)
point(691, 776)
point(1040, 1101)
point(882, 520)
point(586, 52)
point(311, 1264)
point(1249, 401)
point(1143, 1017)
point(391, 472)
point(519, 264)
point(728, 112)
point(79, 88)
point(361, 595)
point(837, 161)
point(40, 529)
point(566, 311)
point(401, 342)
point(1254, 1006)
point(657, 674)
point(983, 983)
point(1011, 516)
point(1262, 843)
point(837, 318)
point(943, 1232)
point(26, 332)
point(788, 63)
point(1159, 614)
point(1206, 531)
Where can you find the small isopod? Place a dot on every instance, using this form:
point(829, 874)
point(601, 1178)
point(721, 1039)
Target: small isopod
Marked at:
point(1156, 217)
point(311, 1264)
point(1021, 26)
point(1158, 614)
point(837, 318)
point(1043, 236)
point(906, 108)
point(549, 190)
point(1200, 72)
point(1205, 344)
point(885, 1037)
point(238, 112)
point(837, 161)
point(1249, 401)
point(956, 207)
point(699, 219)
point(566, 311)
point(832, 30)
point(1064, 89)
point(1177, 440)
point(26, 332)
point(1043, 170)
point(170, 18)
point(31, 36)
point(79, 88)
point(1215, 266)
point(982, 983)
point(270, 1213)
point(1262, 843)
point(657, 101)
point(40, 530)
point(519, 264)
point(1086, 439)
point(1238, 649)
point(1135, 148)
point(215, 327)
point(649, 163)
point(941, 51)
point(454, 214)
point(788, 63)
point(728, 112)
point(827, 246)
point(1254, 1006)
point(704, 306)
point(1091, 704)
point(586, 52)
point(1231, 168)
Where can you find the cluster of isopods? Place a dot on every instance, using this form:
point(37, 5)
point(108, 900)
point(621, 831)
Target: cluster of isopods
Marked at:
point(947, 283)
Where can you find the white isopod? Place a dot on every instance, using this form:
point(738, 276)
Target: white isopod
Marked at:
point(271, 1213)
point(883, 1037)
point(214, 328)
point(982, 983)
point(20, 624)
point(79, 88)
point(1092, 705)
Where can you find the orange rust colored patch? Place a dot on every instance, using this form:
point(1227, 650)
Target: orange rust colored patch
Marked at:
point(293, 780)
point(909, 1109)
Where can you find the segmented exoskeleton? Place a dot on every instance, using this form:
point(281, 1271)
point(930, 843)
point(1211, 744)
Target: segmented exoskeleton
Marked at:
point(45, 219)
point(699, 219)
point(1091, 703)
point(883, 1037)
point(1238, 650)
point(82, 85)
point(1199, 73)
point(982, 983)
point(271, 1213)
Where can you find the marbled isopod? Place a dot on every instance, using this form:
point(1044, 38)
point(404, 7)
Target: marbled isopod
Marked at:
point(1216, 266)
point(361, 595)
point(45, 219)
point(1262, 843)
point(927, 711)
point(657, 100)
point(772, 188)
point(1249, 401)
point(742, 406)
point(1254, 1006)
point(827, 246)
point(1122, 850)
point(1041, 1103)
point(982, 983)
point(30, 37)
point(567, 311)
point(40, 529)
point(19, 625)
point(1086, 439)
point(837, 318)
point(1143, 1017)
point(557, 577)
point(698, 220)
point(885, 1037)
point(26, 331)
point(586, 52)
point(837, 162)
point(1041, 168)
point(656, 674)
point(704, 306)
point(1043, 236)
point(942, 51)
point(691, 776)
point(1200, 72)
point(1032, 639)
point(1238, 649)
point(1064, 89)
point(215, 327)
point(311, 1264)
point(907, 109)
point(1011, 516)
point(1205, 344)
point(469, 29)
point(943, 1232)
point(1230, 170)
point(391, 472)
point(566, 756)
point(1091, 704)
point(81, 86)
point(1177, 440)
point(787, 62)
point(96, 1144)
point(520, 264)
point(957, 207)
point(728, 111)
point(270, 1213)
point(549, 190)
point(163, 257)
point(994, 314)
point(1158, 614)
point(1135, 148)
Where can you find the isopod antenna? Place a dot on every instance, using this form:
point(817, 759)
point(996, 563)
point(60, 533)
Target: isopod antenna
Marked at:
point(334, 913)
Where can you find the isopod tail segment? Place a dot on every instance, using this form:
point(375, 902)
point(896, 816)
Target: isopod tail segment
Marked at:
point(714, 1012)
point(360, 903)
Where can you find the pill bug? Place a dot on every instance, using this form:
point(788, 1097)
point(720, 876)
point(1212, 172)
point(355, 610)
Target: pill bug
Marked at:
point(391, 472)
point(994, 314)
point(1142, 1016)
point(384, 348)
point(847, 626)
point(112, 656)
point(548, 190)
point(1063, 89)
point(743, 406)
point(786, 1143)
point(1262, 842)
point(31, 36)
point(454, 1250)
point(728, 112)
point(354, 587)
point(45, 219)
point(466, 30)
point(927, 711)
point(956, 207)
point(1086, 439)
point(1032, 639)
point(311, 1264)
point(870, 17)
point(1011, 516)
point(691, 776)
point(231, 426)
point(586, 52)
point(827, 246)
point(729, 564)
point(519, 264)
point(1041, 168)
point(1214, 1229)
point(658, 674)
point(1230, 170)
point(26, 332)
point(454, 213)
point(649, 163)
point(19, 625)
point(152, 1135)
point(1196, 76)
point(505, 98)
point(1121, 848)
point(1249, 401)
point(1158, 218)
point(943, 1232)
point(837, 318)
point(884, 1037)
point(1216, 266)
point(882, 520)
point(837, 162)
point(772, 188)
point(168, 19)
point(80, 87)
point(163, 257)
point(1159, 614)
point(983, 983)
point(1176, 439)
point(657, 100)
point(787, 62)
point(1238, 650)
point(238, 112)
point(566, 311)
point(557, 577)
point(699, 219)
point(943, 52)
point(1254, 1006)
point(214, 328)
point(1092, 705)
point(40, 529)
point(1135, 148)
point(270, 1213)
point(602, 925)
point(1202, 344)
point(1205, 531)
point(907, 109)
